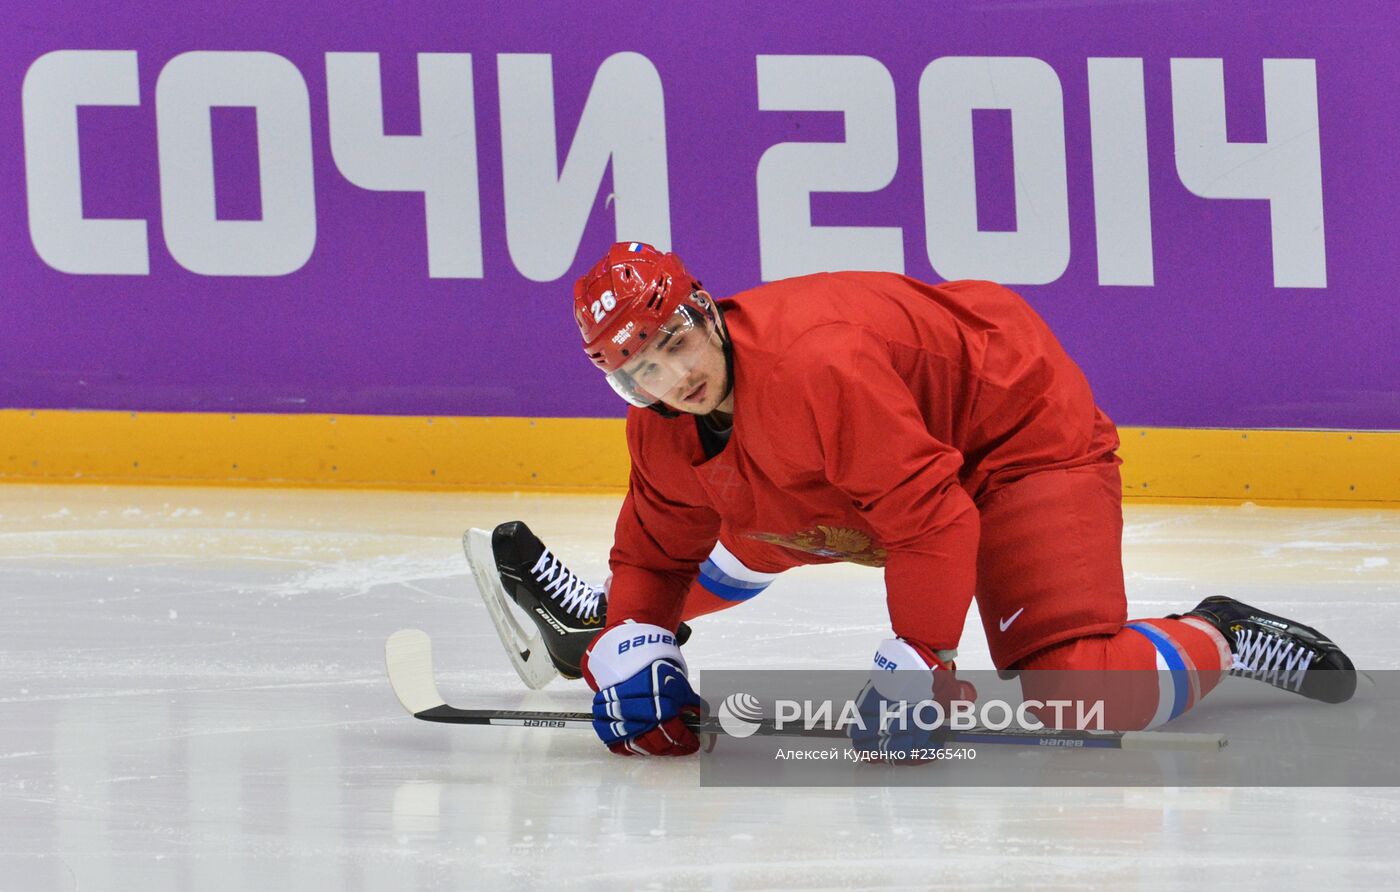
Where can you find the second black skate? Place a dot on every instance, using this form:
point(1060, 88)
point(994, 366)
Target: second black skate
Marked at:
point(1279, 651)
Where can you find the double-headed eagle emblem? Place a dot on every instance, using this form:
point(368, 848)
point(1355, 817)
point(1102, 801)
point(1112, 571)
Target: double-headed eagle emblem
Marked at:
point(837, 543)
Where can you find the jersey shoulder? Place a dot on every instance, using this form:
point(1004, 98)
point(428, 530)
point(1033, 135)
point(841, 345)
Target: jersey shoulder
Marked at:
point(772, 318)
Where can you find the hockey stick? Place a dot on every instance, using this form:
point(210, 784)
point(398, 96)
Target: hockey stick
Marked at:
point(409, 657)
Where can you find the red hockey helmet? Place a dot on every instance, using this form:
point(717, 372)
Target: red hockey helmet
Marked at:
point(624, 298)
point(632, 304)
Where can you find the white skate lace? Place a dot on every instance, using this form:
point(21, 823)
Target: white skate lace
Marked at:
point(1275, 659)
point(577, 597)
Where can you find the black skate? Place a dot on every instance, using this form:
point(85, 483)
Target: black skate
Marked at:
point(1279, 651)
point(567, 611)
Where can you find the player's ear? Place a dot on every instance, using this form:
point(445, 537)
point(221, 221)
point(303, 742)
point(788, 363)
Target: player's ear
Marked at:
point(705, 302)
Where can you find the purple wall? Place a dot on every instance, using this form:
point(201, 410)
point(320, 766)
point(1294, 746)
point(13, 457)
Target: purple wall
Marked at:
point(362, 328)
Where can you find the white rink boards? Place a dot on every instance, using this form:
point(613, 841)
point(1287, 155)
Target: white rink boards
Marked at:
point(192, 697)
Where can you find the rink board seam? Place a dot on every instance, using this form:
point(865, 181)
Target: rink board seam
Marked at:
point(1357, 468)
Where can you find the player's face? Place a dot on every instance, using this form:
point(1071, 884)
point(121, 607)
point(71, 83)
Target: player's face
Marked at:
point(702, 389)
point(683, 368)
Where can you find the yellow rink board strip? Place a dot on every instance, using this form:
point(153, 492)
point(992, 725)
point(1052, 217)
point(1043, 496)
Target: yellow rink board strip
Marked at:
point(313, 450)
point(1296, 467)
point(572, 454)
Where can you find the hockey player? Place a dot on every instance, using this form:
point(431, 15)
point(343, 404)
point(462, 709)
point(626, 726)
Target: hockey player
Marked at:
point(938, 431)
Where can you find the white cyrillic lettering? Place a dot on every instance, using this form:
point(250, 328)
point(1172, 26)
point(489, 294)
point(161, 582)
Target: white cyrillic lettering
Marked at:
point(624, 120)
point(785, 711)
point(440, 163)
point(282, 241)
point(1001, 723)
point(950, 88)
point(54, 86)
point(1286, 169)
point(861, 88)
point(850, 716)
point(1025, 715)
point(932, 723)
point(1091, 719)
point(962, 715)
point(1122, 199)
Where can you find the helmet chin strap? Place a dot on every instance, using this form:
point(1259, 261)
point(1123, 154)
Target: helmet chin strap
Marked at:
point(716, 317)
point(728, 347)
point(664, 410)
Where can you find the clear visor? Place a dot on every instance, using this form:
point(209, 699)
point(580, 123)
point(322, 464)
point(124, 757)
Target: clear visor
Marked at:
point(664, 366)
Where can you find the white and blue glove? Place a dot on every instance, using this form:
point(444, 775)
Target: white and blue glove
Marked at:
point(903, 675)
point(643, 696)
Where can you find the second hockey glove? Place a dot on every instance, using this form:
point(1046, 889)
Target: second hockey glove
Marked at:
point(904, 675)
point(643, 694)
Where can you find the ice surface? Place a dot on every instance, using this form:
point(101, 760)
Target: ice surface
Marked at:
point(192, 697)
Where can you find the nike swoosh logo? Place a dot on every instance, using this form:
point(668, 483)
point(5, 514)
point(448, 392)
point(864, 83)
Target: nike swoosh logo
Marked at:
point(1006, 623)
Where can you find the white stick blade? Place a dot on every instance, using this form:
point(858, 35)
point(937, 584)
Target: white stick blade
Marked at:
point(408, 655)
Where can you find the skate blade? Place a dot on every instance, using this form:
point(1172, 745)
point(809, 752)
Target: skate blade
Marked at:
point(526, 652)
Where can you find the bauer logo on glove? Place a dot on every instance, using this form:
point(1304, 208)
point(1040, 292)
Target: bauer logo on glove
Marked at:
point(638, 641)
point(643, 695)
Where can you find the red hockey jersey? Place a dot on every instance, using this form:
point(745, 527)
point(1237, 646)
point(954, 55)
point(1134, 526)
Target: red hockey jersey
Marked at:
point(871, 413)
